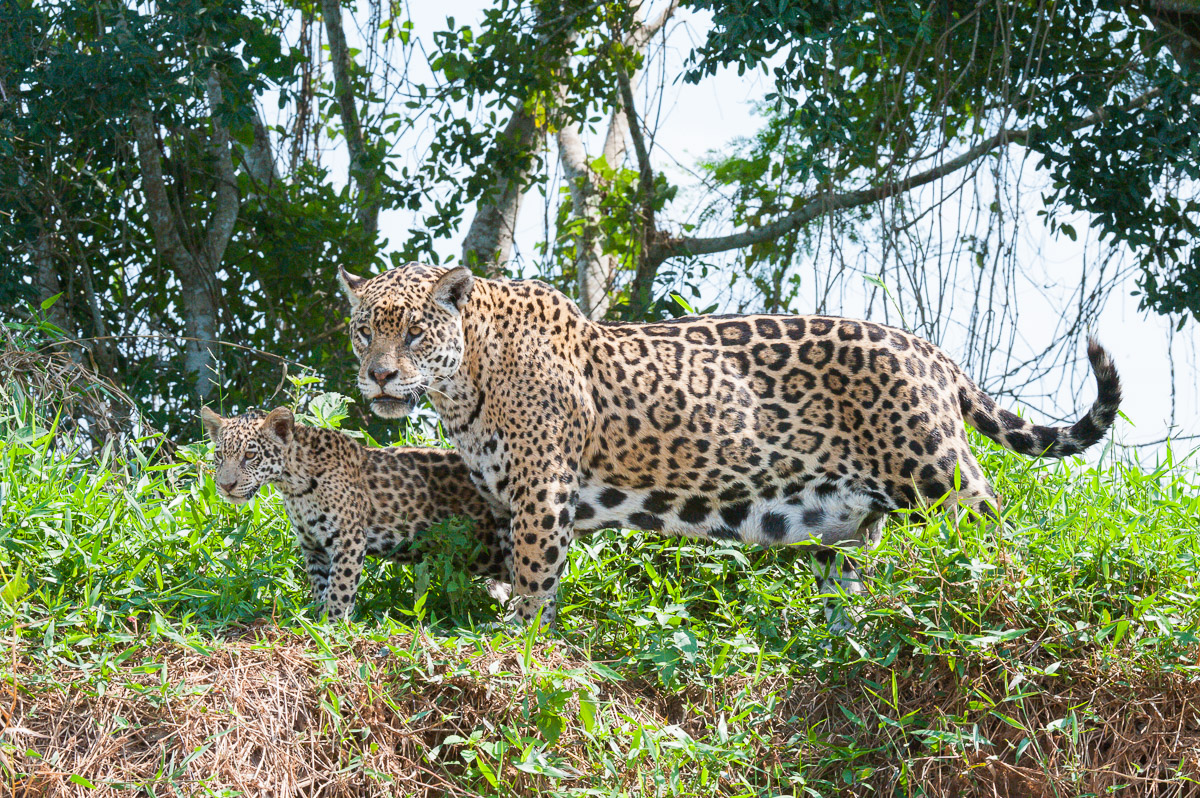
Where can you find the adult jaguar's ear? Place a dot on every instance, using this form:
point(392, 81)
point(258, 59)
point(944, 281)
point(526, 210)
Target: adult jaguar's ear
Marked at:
point(212, 421)
point(351, 285)
point(453, 289)
point(279, 423)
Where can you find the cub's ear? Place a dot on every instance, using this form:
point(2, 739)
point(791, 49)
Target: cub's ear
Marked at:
point(453, 289)
point(212, 421)
point(351, 285)
point(279, 423)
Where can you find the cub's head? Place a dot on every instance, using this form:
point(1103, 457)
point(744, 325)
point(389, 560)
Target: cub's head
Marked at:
point(406, 328)
point(250, 450)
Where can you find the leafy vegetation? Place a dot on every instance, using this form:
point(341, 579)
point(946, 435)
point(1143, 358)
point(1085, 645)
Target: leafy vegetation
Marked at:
point(1057, 651)
point(171, 171)
point(867, 91)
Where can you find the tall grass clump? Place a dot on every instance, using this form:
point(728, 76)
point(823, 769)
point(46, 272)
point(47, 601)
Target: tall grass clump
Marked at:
point(161, 642)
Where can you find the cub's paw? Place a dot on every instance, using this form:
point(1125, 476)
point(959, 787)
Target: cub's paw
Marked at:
point(500, 591)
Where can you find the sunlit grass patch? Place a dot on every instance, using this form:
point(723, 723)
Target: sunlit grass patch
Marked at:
point(151, 624)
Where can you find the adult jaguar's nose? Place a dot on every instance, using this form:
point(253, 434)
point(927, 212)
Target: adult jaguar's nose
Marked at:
point(383, 376)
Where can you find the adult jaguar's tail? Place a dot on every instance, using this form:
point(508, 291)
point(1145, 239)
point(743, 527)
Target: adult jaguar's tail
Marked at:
point(1013, 432)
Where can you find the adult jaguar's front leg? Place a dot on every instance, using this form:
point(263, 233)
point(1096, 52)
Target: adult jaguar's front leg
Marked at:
point(542, 525)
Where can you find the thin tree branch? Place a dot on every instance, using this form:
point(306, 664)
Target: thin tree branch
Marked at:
point(1168, 439)
point(645, 172)
point(828, 203)
point(618, 124)
point(647, 267)
point(640, 36)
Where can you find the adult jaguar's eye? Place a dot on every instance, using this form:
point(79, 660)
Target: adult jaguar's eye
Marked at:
point(414, 332)
point(364, 333)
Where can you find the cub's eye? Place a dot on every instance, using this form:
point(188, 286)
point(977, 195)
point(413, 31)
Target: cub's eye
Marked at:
point(251, 456)
point(414, 332)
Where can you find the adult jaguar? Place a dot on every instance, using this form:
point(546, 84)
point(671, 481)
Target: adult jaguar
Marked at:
point(763, 429)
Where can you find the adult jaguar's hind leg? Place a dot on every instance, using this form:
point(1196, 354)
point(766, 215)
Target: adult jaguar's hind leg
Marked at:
point(839, 575)
point(961, 484)
point(953, 483)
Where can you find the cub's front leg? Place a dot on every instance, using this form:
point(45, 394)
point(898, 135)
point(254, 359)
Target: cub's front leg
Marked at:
point(348, 550)
point(316, 563)
point(316, 556)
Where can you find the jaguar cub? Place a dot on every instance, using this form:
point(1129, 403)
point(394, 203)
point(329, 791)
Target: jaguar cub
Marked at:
point(346, 500)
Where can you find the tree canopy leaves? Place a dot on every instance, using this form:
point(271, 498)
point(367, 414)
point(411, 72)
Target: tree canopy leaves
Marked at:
point(165, 168)
point(868, 91)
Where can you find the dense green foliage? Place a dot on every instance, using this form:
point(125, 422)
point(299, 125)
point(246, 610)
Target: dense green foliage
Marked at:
point(869, 92)
point(165, 167)
point(1093, 572)
point(75, 214)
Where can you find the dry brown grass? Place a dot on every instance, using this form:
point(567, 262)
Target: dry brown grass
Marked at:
point(90, 410)
point(254, 716)
point(257, 710)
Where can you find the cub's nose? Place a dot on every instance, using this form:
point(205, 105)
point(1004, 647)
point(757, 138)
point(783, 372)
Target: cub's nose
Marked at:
point(382, 376)
point(228, 486)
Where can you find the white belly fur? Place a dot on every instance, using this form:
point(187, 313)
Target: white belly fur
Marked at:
point(803, 517)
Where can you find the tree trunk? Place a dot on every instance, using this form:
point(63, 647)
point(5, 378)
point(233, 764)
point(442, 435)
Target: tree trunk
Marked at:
point(104, 348)
point(595, 270)
point(195, 270)
point(48, 283)
point(363, 166)
point(200, 325)
point(489, 240)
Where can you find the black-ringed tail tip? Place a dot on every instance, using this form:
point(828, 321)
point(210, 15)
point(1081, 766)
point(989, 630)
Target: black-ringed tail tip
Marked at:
point(1015, 433)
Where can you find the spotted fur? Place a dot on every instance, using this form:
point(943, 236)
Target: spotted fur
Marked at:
point(761, 429)
point(346, 500)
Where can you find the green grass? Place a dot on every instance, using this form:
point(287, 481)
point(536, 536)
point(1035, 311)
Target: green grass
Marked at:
point(987, 654)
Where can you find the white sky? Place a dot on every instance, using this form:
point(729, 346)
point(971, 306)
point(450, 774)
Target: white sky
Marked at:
point(692, 120)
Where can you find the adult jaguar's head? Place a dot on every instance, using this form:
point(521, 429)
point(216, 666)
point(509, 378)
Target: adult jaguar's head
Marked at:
point(406, 329)
point(250, 450)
